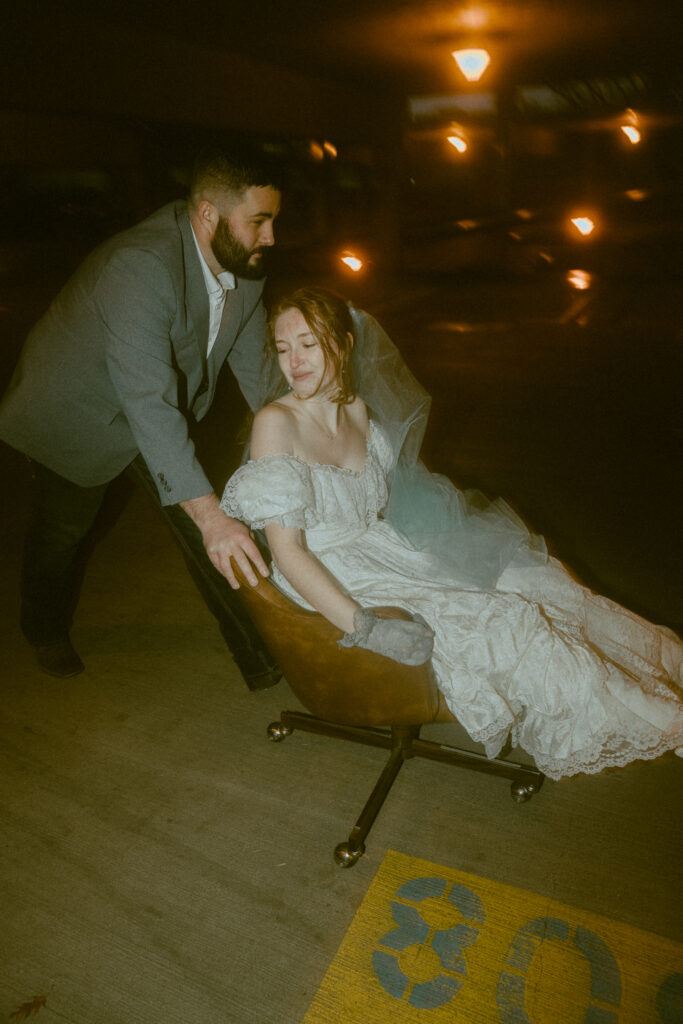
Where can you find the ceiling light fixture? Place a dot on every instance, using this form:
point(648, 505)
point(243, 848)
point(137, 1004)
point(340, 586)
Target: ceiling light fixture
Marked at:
point(630, 126)
point(457, 137)
point(584, 225)
point(458, 143)
point(632, 133)
point(353, 262)
point(472, 62)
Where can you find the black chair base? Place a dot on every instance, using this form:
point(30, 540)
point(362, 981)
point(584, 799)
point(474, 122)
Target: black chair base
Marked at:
point(404, 742)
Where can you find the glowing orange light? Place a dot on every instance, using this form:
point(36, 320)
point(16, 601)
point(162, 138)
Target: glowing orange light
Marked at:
point(524, 214)
point(579, 279)
point(330, 149)
point(631, 133)
point(473, 18)
point(458, 143)
point(473, 63)
point(584, 225)
point(467, 225)
point(316, 150)
point(352, 262)
point(636, 194)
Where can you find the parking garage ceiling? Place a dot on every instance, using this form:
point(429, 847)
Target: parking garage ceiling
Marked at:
point(405, 45)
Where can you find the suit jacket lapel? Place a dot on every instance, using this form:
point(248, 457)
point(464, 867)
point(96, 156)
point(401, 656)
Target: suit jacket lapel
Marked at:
point(196, 296)
point(227, 332)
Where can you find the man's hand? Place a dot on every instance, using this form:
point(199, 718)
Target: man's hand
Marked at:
point(225, 539)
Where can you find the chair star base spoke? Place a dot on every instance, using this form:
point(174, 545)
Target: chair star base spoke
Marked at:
point(404, 743)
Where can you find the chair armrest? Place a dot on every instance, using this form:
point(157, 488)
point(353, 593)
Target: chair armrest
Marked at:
point(348, 685)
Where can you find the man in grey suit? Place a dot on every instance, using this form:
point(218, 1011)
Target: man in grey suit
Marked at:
point(112, 378)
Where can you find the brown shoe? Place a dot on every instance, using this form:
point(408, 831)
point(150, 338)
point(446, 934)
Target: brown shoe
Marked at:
point(58, 659)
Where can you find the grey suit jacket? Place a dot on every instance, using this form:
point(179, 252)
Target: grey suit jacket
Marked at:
point(118, 364)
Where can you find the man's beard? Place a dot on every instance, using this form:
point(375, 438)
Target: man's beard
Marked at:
point(234, 256)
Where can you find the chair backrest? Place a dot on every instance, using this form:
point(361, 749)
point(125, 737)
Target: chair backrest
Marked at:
point(347, 685)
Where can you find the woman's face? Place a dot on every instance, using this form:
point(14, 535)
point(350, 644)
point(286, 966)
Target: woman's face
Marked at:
point(300, 356)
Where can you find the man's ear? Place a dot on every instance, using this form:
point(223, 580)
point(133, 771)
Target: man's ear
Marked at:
point(207, 214)
point(350, 337)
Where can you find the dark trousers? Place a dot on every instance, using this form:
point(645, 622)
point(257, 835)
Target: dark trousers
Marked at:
point(54, 550)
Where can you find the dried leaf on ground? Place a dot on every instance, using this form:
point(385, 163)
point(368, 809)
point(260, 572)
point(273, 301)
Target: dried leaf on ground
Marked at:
point(27, 1010)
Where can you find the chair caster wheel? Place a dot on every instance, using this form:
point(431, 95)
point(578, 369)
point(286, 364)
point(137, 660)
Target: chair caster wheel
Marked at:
point(345, 857)
point(523, 791)
point(278, 731)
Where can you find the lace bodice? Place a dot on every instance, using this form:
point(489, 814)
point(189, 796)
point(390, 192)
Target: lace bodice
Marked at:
point(333, 505)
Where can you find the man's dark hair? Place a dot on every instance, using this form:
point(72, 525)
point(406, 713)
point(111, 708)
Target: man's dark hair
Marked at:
point(233, 169)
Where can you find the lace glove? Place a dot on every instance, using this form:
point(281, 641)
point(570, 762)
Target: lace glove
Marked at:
point(409, 641)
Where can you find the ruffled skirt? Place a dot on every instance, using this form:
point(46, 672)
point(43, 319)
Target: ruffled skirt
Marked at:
point(576, 680)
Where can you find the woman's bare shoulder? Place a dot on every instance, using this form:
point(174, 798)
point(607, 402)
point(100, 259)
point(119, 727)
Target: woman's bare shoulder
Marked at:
point(273, 430)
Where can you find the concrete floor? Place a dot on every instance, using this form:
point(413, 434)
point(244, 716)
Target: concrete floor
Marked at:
point(163, 862)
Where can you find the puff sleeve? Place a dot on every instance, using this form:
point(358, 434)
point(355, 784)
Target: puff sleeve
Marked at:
point(272, 489)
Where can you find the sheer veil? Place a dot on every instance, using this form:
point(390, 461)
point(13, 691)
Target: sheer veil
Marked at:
point(476, 538)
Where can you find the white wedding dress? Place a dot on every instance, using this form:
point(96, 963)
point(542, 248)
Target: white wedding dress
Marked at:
point(578, 681)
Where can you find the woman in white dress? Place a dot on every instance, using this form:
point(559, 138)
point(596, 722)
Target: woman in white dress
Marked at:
point(520, 650)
